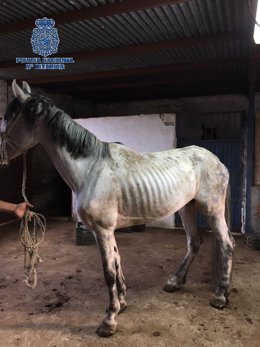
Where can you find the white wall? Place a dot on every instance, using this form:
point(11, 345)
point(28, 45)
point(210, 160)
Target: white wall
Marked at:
point(144, 133)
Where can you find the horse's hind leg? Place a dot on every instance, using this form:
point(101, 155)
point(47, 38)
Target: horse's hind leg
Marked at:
point(219, 227)
point(188, 216)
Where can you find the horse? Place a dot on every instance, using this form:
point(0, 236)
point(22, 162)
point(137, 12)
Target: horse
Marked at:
point(116, 187)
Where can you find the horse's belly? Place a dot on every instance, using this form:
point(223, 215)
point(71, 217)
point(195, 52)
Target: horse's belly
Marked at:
point(149, 205)
point(143, 216)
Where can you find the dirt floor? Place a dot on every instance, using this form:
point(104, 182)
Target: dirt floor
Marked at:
point(69, 302)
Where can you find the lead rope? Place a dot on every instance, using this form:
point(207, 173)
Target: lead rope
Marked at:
point(32, 232)
point(33, 225)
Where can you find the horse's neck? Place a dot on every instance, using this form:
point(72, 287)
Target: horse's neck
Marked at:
point(71, 170)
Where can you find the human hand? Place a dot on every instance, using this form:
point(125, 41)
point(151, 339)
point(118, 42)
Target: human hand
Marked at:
point(21, 208)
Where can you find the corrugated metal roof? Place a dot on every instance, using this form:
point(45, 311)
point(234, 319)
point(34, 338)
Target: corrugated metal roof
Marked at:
point(12, 10)
point(190, 19)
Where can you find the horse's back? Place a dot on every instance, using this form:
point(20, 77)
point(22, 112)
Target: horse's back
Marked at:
point(195, 157)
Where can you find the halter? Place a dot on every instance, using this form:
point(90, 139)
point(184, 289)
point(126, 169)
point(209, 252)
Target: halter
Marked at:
point(5, 139)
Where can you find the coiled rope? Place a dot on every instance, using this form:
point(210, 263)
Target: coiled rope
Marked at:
point(32, 227)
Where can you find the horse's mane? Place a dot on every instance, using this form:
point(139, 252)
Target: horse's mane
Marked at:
point(78, 141)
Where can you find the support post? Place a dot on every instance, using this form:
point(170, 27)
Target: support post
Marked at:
point(249, 142)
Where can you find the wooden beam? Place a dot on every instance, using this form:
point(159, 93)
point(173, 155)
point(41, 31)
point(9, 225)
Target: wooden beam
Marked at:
point(191, 106)
point(90, 13)
point(137, 71)
point(232, 78)
point(145, 48)
point(160, 93)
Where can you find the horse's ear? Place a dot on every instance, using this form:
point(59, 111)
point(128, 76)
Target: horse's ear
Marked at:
point(26, 88)
point(19, 93)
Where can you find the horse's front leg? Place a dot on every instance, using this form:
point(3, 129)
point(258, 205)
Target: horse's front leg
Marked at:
point(120, 280)
point(108, 249)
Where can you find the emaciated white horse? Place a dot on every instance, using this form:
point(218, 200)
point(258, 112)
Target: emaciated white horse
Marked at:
point(117, 187)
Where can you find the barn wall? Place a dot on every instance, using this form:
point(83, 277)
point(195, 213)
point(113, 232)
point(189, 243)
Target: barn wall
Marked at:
point(46, 189)
point(210, 126)
point(144, 133)
point(11, 176)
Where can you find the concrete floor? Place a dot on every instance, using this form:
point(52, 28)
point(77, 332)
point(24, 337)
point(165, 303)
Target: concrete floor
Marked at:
point(70, 299)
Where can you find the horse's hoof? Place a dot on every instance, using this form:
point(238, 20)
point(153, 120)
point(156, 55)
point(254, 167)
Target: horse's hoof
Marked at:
point(171, 286)
point(218, 301)
point(106, 330)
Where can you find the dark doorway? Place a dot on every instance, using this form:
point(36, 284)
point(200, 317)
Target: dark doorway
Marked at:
point(45, 188)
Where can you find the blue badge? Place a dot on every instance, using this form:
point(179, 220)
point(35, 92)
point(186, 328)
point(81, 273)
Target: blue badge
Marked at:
point(45, 39)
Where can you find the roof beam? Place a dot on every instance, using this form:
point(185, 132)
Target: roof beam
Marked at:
point(89, 13)
point(146, 48)
point(137, 71)
point(150, 82)
point(161, 93)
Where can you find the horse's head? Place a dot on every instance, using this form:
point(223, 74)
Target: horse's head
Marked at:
point(19, 124)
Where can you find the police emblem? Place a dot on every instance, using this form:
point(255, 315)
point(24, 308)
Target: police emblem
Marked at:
point(45, 38)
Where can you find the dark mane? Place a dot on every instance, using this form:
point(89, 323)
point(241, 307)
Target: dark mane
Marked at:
point(78, 141)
